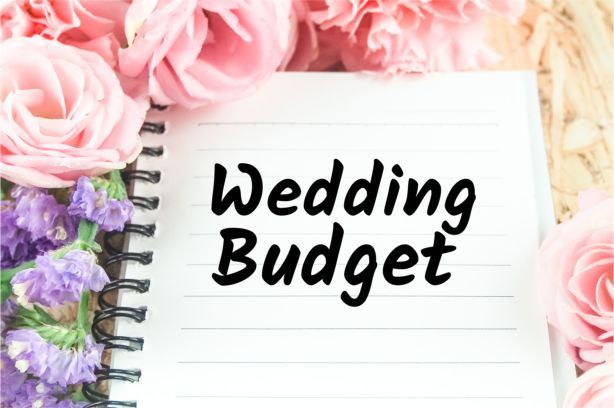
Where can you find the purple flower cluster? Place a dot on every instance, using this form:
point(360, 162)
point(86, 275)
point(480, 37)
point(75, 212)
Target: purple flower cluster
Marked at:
point(8, 309)
point(95, 205)
point(31, 354)
point(41, 215)
point(32, 224)
point(11, 379)
point(44, 361)
point(54, 281)
point(16, 246)
point(19, 391)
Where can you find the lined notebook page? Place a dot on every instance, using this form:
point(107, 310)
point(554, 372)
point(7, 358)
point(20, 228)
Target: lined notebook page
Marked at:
point(477, 340)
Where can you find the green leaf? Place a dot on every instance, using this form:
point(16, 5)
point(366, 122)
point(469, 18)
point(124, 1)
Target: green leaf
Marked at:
point(5, 291)
point(69, 339)
point(62, 336)
point(36, 316)
point(5, 278)
point(78, 396)
point(7, 274)
point(43, 316)
point(115, 186)
point(48, 328)
point(5, 187)
point(95, 246)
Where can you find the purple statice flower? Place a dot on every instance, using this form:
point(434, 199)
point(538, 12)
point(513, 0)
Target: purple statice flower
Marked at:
point(35, 393)
point(31, 354)
point(8, 310)
point(117, 214)
point(41, 215)
point(16, 245)
point(11, 379)
point(20, 192)
point(43, 245)
point(67, 403)
point(32, 393)
point(54, 281)
point(94, 205)
point(19, 391)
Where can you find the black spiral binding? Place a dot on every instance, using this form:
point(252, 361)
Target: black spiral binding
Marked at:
point(107, 309)
point(157, 107)
point(154, 127)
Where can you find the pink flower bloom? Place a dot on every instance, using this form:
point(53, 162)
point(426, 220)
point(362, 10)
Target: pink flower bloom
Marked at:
point(593, 389)
point(407, 35)
point(63, 114)
point(197, 52)
point(303, 43)
point(95, 25)
point(577, 279)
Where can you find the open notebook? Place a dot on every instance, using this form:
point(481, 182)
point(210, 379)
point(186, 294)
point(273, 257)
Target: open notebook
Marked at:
point(468, 334)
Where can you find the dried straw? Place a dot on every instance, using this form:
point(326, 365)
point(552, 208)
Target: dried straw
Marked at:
point(569, 44)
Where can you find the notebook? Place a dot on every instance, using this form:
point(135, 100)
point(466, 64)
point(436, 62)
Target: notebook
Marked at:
point(339, 240)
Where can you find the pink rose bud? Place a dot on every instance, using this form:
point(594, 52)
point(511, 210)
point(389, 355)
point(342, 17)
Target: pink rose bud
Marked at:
point(593, 389)
point(64, 114)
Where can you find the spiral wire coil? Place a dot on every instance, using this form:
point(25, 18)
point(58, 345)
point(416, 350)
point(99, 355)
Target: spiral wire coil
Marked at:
point(108, 310)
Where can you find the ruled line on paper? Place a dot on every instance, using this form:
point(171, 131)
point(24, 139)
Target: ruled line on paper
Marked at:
point(481, 111)
point(360, 124)
point(355, 328)
point(370, 295)
point(373, 397)
point(336, 150)
point(380, 234)
point(344, 264)
point(354, 362)
point(312, 177)
point(376, 206)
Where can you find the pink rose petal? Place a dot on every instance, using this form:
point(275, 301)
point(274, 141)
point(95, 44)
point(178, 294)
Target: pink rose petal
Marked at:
point(63, 114)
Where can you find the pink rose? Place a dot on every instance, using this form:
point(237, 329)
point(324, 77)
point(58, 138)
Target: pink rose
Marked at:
point(95, 25)
point(577, 279)
point(64, 114)
point(408, 35)
point(197, 52)
point(593, 389)
point(302, 47)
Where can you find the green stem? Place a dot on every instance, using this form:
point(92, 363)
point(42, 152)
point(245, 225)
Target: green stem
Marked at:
point(86, 239)
point(5, 291)
point(7, 274)
point(5, 279)
point(83, 314)
point(87, 231)
point(78, 396)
